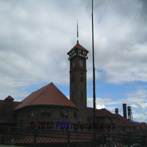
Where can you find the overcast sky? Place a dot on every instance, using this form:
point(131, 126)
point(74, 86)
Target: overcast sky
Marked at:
point(35, 36)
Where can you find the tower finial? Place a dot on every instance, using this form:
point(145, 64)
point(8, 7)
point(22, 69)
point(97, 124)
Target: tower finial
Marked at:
point(77, 33)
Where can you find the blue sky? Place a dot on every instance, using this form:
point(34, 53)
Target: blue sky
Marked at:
point(35, 36)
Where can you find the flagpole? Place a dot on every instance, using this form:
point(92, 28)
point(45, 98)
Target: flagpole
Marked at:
point(94, 95)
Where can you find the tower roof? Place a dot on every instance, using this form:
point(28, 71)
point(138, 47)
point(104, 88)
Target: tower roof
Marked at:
point(78, 46)
point(47, 95)
point(9, 98)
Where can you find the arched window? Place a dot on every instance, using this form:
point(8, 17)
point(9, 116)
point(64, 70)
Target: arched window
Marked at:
point(81, 76)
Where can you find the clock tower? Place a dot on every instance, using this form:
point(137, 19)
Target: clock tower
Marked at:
point(78, 79)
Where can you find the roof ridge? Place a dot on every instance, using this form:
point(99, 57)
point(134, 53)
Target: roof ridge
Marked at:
point(44, 88)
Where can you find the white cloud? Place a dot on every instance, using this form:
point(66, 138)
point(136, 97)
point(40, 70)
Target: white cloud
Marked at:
point(137, 101)
point(139, 116)
point(100, 106)
point(134, 106)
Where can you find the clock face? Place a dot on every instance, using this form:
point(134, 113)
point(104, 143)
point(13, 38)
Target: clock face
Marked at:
point(81, 63)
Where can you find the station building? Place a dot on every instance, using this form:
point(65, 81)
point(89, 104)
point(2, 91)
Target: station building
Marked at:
point(48, 105)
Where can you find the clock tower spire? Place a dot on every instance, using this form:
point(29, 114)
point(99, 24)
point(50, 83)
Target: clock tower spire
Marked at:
point(77, 33)
point(78, 78)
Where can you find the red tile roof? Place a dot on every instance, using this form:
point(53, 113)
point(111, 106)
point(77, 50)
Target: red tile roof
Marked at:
point(142, 125)
point(99, 113)
point(78, 46)
point(15, 104)
point(123, 122)
point(47, 95)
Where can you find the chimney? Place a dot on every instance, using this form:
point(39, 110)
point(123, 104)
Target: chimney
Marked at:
point(129, 113)
point(125, 110)
point(116, 110)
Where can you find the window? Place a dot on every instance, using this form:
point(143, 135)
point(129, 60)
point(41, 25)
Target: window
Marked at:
point(45, 112)
point(66, 113)
point(62, 113)
point(42, 112)
point(30, 113)
point(81, 76)
point(48, 112)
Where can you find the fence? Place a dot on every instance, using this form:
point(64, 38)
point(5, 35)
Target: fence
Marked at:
point(65, 138)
